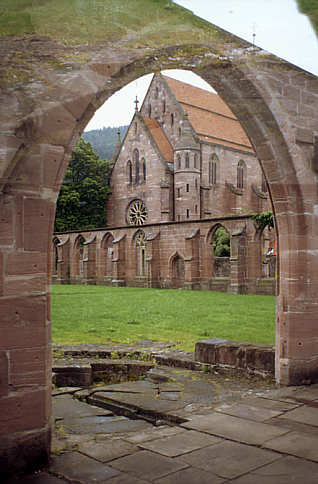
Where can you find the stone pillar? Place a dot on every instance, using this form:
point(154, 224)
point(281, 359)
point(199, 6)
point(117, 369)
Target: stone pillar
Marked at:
point(191, 260)
point(26, 224)
point(153, 260)
point(238, 263)
point(90, 261)
point(63, 263)
point(119, 260)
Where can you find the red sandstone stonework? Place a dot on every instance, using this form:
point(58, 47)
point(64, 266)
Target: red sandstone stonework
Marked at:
point(43, 111)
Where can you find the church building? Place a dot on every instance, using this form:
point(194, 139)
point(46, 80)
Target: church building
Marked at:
point(184, 169)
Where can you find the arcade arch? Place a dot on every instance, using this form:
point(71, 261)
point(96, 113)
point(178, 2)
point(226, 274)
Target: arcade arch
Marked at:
point(42, 119)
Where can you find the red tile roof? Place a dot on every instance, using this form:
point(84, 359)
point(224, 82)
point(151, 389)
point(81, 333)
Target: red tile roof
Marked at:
point(210, 117)
point(160, 138)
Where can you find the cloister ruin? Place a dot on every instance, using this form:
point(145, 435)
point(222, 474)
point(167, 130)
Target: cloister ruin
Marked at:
point(50, 89)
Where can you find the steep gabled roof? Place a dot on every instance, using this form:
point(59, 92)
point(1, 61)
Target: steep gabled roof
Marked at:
point(160, 138)
point(210, 117)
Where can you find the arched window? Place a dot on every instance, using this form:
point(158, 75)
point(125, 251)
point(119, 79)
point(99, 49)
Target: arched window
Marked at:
point(140, 245)
point(172, 119)
point(129, 172)
point(178, 162)
point(144, 170)
point(240, 174)
point(56, 242)
point(107, 261)
point(195, 160)
point(187, 160)
point(213, 168)
point(137, 167)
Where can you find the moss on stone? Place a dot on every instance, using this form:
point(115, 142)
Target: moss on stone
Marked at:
point(94, 21)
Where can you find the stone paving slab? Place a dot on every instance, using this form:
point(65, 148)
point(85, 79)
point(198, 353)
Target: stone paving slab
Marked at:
point(66, 406)
point(80, 468)
point(65, 391)
point(180, 443)
point(191, 476)
point(152, 434)
point(264, 402)
point(107, 449)
point(286, 470)
point(104, 425)
point(39, 478)
point(258, 414)
point(304, 414)
point(229, 459)
point(234, 428)
point(148, 465)
point(296, 443)
point(126, 479)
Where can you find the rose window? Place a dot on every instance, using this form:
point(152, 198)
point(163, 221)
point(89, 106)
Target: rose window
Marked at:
point(137, 213)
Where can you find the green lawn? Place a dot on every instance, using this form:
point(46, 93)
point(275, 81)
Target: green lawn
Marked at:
point(99, 314)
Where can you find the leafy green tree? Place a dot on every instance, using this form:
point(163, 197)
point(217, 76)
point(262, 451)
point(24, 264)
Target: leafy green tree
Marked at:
point(221, 243)
point(82, 200)
point(262, 220)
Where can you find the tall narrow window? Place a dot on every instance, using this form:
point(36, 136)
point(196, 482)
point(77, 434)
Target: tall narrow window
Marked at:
point(135, 128)
point(179, 162)
point(179, 132)
point(187, 188)
point(213, 167)
point(164, 106)
point(140, 244)
point(195, 160)
point(187, 160)
point(178, 192)
point(144, 170)
point(172, 119)
point(156, 93)
point(240, 174)
point(149, 111)
point(129, 172)
point(136, 162)
point(188, 213)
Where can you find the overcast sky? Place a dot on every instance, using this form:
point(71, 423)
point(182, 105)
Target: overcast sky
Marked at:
point(278, 27)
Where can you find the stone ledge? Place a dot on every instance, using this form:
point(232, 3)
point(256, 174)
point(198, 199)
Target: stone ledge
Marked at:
point(258, 359)
point(84, 373)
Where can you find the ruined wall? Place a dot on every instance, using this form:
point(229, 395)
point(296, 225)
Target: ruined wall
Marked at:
point(51, 89)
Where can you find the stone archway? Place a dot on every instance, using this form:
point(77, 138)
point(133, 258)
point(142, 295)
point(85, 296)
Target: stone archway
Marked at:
point(46, 102)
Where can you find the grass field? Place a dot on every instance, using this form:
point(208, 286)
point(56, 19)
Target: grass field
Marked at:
point(99, 314)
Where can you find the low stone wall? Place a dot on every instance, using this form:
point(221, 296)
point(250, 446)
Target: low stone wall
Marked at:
point(74, 373)
point(258, 359)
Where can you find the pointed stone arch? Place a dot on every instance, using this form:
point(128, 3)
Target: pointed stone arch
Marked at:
point(177, 270)
point(41, 120)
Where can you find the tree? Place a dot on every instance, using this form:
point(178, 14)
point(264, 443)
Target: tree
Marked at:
point(262, 220)
point(221, 243)
point(82, 200)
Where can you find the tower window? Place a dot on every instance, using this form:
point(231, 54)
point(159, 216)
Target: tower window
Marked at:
point(187, 187)
point(172, 119)
point(129, 172)
point(149, 110)
point(144, 170)
point(179, 162)
point(187, 160)
point(188, 213)
point(137, 167)
point(156, 93)
point(164, 106)
point(195, 160)
point(178, 192)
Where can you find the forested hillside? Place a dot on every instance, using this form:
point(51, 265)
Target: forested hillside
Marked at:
point(104, 140)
